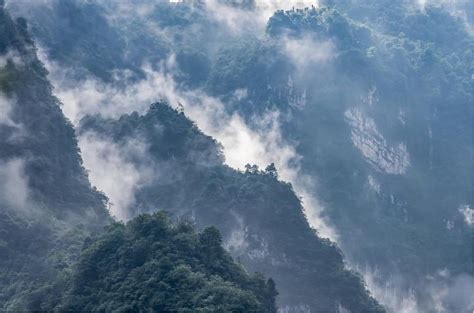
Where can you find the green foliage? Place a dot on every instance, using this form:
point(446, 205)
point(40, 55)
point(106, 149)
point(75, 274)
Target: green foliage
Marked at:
point(47, 140)
point(151, 264)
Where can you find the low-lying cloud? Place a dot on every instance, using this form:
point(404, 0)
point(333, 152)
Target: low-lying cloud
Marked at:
point(13, 131)
point(467, 213)
point(255, 141)
point(113, 169)
point(306, 51)
point(6, 107)
point(11, 56)
point(14, 190)
point(239, 18)
point(440, 292)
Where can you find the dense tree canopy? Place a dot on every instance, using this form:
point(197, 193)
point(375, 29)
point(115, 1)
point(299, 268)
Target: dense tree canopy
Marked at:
point(150, 264)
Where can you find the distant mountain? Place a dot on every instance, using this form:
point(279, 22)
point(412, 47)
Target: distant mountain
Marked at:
point(384, 124)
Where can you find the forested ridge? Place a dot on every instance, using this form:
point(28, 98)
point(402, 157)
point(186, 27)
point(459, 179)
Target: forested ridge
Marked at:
point(261, 219)
point(152, 264)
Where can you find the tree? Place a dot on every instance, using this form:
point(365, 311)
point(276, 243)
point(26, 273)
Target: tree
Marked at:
point(252, 169)
point(271, 170)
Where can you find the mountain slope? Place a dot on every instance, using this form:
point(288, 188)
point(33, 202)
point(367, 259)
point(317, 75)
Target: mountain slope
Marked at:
point(151, 264)
point(44, 189)
point(384, 124)
point(37, 132)
point(260, 218)
point(51, 220)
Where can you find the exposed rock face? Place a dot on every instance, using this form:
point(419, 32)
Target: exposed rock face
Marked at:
point(390, 159)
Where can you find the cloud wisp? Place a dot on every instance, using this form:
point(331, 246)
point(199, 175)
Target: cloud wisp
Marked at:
point(440, 292)
point(6, 107)
point(112, 170)
point(11, 56)
point(14, 191)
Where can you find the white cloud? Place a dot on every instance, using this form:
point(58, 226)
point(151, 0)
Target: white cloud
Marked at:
point(259, 142)
point(309, 56)
point(237, 20)
point(450, 294)
point(267, 8)
point(450, 4)
point(307, 51)
point(6, 109)
point(438, 293)
point(14, 191)
point(468, 214)
point(6, 106)
point(389, 293)
point(112, 170)
point(11, 56)
point(373, 183)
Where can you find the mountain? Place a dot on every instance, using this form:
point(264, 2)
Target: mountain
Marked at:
point(260, 218)
point(382, 119)
point(46, 200)
point(44, 189)
point(152, 264)
point(54, 253)
point(36, 131)
point(375, 97)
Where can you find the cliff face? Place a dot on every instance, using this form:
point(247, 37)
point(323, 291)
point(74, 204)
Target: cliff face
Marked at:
point(384, 129)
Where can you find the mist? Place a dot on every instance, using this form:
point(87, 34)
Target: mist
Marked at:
point(260, 143)
point(14, 190)
point(256, 139)
point(113, 169)
point(5, 112)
